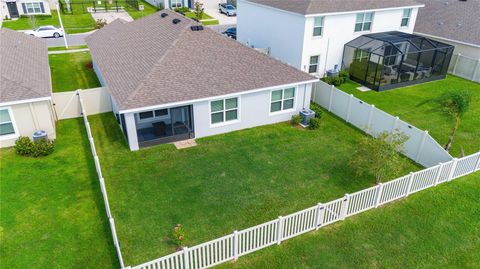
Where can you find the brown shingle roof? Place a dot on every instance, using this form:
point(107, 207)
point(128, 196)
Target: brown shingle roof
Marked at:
point(306, 7)
point(24, 69)
point(452, 19)
point(153, 61)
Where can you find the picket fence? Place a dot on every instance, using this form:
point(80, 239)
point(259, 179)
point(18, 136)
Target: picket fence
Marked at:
point(465, 67)
point(420, 147)
point(239, 243)
point(103, 189)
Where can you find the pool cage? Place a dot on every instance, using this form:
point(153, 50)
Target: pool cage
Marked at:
point(390, 60)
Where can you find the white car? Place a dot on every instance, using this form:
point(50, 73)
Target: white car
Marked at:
point(46, 31)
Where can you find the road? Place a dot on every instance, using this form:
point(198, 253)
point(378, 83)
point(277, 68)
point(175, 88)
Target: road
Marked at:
point(72, 40)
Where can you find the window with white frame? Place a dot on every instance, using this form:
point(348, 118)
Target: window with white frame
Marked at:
point(313, 66)
point(33, 8)
point(148, 115)
point(224, 110)
point(176, 3)
point(282, 100)
point(364, 22)
point(6, 122)
point(406, 17)
point(318, 26)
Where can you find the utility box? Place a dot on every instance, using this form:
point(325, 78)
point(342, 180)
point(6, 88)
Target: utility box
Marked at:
point(306, 114)
point(39, 135)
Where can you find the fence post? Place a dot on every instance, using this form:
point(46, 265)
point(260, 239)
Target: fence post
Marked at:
point(475, 69)
point(437, 176)
point(280, 230)
point(395, 124)
point(410, 182)
point(235, 245)
point(454, 165)
point(370, 113)
point(349, 110)
point(185, 258)
point(331, 98)
point(320, 215)
point(379, 194)
point(344, 209)
point(420, 148)
point(456, 62)
point(477, 165)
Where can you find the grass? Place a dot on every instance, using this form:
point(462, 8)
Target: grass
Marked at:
point(205, 16)
point(69, 48)
point(137, 14)
point(409, 104)
point(231, 181)
point(436, 228)
point(70, 72)
point(52, 213)
point(75, 23)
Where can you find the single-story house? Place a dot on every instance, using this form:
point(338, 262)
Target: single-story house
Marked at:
point(172, 4)
point(11, 9)
point(25, 87)
point(170, 80)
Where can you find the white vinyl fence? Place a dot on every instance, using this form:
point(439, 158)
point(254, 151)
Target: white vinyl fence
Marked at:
point(420, 147)
point(240, 243)
point(83, 113)
point(465, 67)
point(97, 100)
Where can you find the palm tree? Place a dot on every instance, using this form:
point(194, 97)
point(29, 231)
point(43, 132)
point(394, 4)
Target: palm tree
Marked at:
point(455, 104)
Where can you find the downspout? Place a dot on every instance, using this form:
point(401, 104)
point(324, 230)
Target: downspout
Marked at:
point(326, 57)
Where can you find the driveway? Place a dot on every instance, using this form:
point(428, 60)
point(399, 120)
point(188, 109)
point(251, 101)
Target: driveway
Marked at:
point(222, 18)
point(72, 40)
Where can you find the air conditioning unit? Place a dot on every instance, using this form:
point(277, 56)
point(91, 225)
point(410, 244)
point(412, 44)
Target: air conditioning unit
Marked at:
point(306, 114)
point(39, 135)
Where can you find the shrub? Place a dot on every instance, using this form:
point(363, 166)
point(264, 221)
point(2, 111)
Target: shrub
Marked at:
point(100, 23)
point(344, 74)
point(36, 16)
point(89, 65)
point(335, 81)
point(26, 147)
point(179, 235)
point(317, 109)
point(182, 9)
point(296, 119)
point(314, 123)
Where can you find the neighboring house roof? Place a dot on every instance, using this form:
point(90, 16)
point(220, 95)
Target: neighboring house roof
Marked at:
point(25, 73)
point(455, 20)
point(152, 61)
point(308, 7)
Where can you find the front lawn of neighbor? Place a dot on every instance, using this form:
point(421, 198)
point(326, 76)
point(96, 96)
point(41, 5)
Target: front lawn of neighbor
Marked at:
point(227, 182)
point(137, 14)
point(75, 23)
point(72, 71)
point(52, 213)
point(409, 104)
point(435, 228)
point(205, 16)
point(69, 48)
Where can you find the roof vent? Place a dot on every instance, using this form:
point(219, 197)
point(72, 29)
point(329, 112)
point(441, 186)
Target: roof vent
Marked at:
point(175, 21)
point(196, 28)
point(164, 15)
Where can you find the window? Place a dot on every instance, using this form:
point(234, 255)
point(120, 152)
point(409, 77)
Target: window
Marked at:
point(160, 113)
point(318, 26)
point(364, 22)
point(224, 110)
point(406, 17)
point(282, 99)
point(33, 7)
point(176, 3)
point(313, 67)
point(6, 123)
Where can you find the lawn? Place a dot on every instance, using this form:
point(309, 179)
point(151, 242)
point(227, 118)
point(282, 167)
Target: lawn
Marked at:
point(205, 16)
point(69, 48)
point(231, 181)
point(410, 105)
point(52, 213)
point(436, 228)
point(75, 23)
point(137, 14)
point(71, 71)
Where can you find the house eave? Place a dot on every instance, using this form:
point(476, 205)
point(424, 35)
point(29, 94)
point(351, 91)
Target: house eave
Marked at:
point(25, 101)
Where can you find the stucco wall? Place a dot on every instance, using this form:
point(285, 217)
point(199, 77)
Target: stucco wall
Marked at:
point(31, 117)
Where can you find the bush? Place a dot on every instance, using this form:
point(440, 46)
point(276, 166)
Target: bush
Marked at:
point(314, 123)
point(36, 16)
point(335, 81)
point(100, 23)
point(344, 74)
point(26, 147)
point(317, 109)
point(296, 119)
point(182, 9)
point(179, 236)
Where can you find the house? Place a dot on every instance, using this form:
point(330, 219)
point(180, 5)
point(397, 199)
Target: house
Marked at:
point(172, 4)
point(310, 34)
point(11, 9)
point(25, 87)
point(454, 22)
point(170, 80)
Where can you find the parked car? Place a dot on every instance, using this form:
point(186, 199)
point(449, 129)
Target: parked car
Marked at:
point(227, 9)
point(46, 31)
point(231, 32)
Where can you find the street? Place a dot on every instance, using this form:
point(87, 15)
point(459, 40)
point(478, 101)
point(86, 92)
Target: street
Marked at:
point(72, 40)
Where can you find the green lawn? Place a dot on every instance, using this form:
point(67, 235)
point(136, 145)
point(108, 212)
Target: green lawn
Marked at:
point(70, 71)
point(205, 16)
point(76, 23)
point(409, 104)
point(435, 228)
point(137, 14)
point(231, 181)
point(69, 48)
point(52, 213)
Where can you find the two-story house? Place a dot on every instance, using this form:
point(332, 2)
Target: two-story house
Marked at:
point(310, 34)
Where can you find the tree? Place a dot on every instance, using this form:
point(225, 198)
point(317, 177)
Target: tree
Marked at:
point(455, 104)
point(198, 11)
point(378, 157)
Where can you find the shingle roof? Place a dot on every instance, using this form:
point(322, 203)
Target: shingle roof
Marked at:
point(452, 19)
point(306, 7)
point(152, 61)
point(24, 69)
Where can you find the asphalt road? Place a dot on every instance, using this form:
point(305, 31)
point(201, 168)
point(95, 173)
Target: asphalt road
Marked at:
point(72, 40)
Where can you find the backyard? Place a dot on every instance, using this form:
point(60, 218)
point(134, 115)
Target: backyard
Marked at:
point(76, 23)
point(227, 182)
point(72, 71)
point(411, 105)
